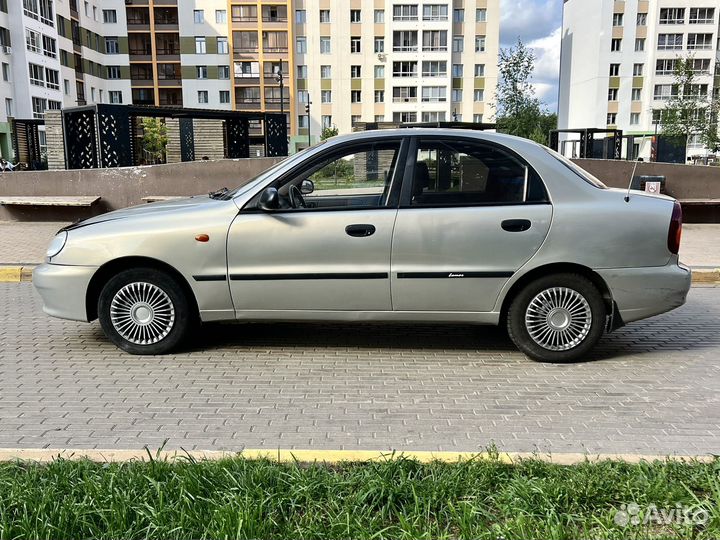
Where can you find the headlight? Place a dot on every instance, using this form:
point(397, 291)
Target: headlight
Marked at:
point(57, 244)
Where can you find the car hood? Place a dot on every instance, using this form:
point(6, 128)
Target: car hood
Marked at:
point(143, 210)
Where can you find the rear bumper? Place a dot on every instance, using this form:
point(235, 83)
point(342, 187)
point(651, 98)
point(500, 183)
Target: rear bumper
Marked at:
point(640, 293)
point(63, 289)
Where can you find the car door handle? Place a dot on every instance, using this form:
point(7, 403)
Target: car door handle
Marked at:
point(360, 230)
point(516, 225)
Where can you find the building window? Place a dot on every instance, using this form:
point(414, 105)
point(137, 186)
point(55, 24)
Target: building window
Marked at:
point(617, 19)
point(405, 94)
point(200, 45)
point(52, 79)
point(324, 15)
point(434, 68)
point(109, 16)
point(457, 95)
point(201, 72)
point(379, 96)
point(223, 72)
point(247, 70)
point(222, 45)
point(613, 94)
point(405, 41)
point(641, 19)
point(638, 70)
point(66, 86)
point(405, 69)
point(302, 121)
point(5, 71)
point(50, 47)
point(355, 72)
point(434, 40)
point(300, 16)
point(325, 45)
point(664, 92)
point(670, 42)
point(672, 16)
point(698, 42)
point(199, 16)
point(665, 66)
point(221, 16)
point(202, 96)
point(458, 15)
point(433, 116)
point(113, 72)
point(479, 70)
point(325, 72)
point(433, 94)
point(325, 96)
point(303, 96)
point(479, 43)
point(355, 15)
point(636, 94)
point(614, 70)
point(435, 12)
point(458, 44)
point(8, 107)
point(33, 40)
point(224, 96)
point(355, 44)
point(479, 95)
point(37, 75)
point(115, 96)
point(405, 117)
point(326, 121)
point(639, 44)
point(379, 45)
point(616, 45)
point(300, 45)
point(457, 70)
point(702, 15)
point(481, 15)
point(302, 72)
point(39, 105)
point(478, 118)
point(612, 119)
point(406, 12)
point(634, 119)
point(379, 72)
point(379, 16)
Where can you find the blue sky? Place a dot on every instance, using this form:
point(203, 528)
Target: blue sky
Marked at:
point(538, 23)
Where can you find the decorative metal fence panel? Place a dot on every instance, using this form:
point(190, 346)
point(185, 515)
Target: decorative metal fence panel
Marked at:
point(81, 139)
point(187, 140)
point(237, 135)
point(116, 143)
point(276, 142)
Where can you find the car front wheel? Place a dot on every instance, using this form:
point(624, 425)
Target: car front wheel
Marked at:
point(557, 318)
point(144, 311)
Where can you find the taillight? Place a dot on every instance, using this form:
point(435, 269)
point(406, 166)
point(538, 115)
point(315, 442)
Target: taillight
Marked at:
point(675, 231)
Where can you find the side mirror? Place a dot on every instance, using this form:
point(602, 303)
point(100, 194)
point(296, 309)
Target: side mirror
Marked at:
point(307, 187)
point(269, 200)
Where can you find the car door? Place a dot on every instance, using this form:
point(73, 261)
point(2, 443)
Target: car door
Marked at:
point(332, 255)
point(472, 213)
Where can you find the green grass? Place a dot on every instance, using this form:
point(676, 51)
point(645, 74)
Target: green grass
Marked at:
point(399, 498)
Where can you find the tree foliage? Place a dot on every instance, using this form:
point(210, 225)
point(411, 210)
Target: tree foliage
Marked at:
point(690, 113)
point(518, 111)
point(155, 139)
point(328, 132)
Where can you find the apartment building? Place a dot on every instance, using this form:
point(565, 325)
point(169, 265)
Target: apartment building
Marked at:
point(623, 76)
point(350, 60)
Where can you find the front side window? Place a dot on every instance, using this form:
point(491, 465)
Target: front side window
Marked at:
point(469, 173)
point(353, 178)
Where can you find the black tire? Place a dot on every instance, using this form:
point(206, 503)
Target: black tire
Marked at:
point(582, 333)
point(174, 320)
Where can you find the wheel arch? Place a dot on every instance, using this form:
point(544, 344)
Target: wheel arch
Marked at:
point(112, 268)
point(561, 268)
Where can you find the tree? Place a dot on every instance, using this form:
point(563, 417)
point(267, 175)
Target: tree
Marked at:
point(519, 112)
point(155, 139)
point(328, 132)
point(689, 112)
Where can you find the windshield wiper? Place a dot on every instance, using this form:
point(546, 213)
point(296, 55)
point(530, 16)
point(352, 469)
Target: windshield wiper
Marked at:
point(219, 194)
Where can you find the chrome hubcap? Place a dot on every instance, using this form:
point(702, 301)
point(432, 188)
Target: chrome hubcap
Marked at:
point(142, 313)
point(558, 319)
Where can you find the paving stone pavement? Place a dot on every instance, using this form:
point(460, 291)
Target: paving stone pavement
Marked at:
point(650, 388)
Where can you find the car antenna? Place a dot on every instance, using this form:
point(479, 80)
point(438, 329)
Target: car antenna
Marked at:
point(632, 176)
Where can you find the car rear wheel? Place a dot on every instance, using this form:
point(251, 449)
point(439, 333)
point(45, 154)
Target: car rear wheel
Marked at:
point(144, 311)
point(557, 318)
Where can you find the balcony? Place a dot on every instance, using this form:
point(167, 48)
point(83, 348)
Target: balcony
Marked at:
point(171, 97)
point(138, 19)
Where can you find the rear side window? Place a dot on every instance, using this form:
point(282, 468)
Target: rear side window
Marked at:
point(467, 173)
point(579, 171)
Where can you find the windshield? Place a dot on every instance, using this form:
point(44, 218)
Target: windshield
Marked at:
point(269, 172)
point(579, 171)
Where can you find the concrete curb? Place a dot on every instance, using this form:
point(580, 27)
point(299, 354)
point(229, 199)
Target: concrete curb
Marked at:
point(327, 456)
point(17, 274)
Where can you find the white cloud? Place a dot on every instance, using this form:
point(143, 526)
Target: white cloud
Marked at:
point(547, 67)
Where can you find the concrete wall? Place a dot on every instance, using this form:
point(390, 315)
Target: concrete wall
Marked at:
point(123, 187)
point(682, 181)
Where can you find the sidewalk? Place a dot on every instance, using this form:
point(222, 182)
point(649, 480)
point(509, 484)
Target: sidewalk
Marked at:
point(24, 244)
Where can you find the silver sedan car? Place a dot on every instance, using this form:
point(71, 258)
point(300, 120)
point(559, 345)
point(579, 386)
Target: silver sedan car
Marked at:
point(412, 225)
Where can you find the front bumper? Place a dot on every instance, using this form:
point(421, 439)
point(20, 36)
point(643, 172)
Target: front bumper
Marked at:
point(640, 293)
point(64, 289)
